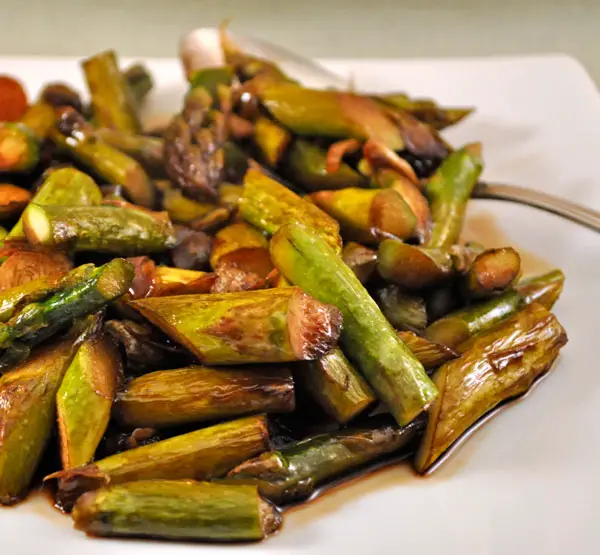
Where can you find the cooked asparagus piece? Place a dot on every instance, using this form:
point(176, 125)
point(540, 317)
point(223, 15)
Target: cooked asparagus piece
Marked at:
point(495, 366)
point(368, 215)
point(493, 271)
point(274, 325)
point(139, 81)
point(268, 205)
point(145, 350)
point(405, 312)
point(12, 200)
point(361, 260)
point(230, 194)
point(184, 210)
point(242, 246)
point(430, 354)
point(27, 405)
point(336, 386)
point(306, 165)
point(369, 339)
point(199, 455)
point(63, 187)
point(148, 151)
point(271, 140)
point(85, 397)
point(426, 110)
point(198, 393)
point(94, 289)
point(113, 102)
point(177, 510)
point(449, 190)
point(77, 138)
point(460, 325)
point(327, 113)
point(544, 289)
point(111, 229)
point(210, 78)
point(416, 268)
point(294, 472)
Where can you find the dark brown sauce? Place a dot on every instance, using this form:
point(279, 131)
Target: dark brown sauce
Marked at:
point(485, 228)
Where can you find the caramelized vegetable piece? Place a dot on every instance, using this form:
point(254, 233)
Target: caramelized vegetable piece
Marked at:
point(268, 205)
point(59, 95)
point(63, 187)
point(294, 472)
point(405, 312)
point(306, 165)
point(390, 368)
point(493, 271)
point(19, 148)
point(89, 290)
point(27, 406)
point(430, 354)
point(148, 151)
point(368, 215)
point(113, 102)
point(495, 366)
point(544, 289)
point(177, 281)
point(139, 81)
point(275, 325)
point(184, 210)
point(230, 279)
point(13, 100)
point(336, 386)
point(24, 266)
point(85, 399)
point(361, 260)
point(76, 138)
point(244, 247)
point(12, 200)
point(449, 191)
point(271, 140)
point(210, 78)
point(15, 298)
point(198, 393)
point(200, 455)
point(145, 350)
point(177, 510)
point(111, 229)
point(328, 113)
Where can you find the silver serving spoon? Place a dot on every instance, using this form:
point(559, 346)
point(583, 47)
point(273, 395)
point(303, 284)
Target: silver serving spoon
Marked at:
point(202, 48)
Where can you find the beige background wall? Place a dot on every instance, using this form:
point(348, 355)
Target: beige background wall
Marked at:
point(326, 28)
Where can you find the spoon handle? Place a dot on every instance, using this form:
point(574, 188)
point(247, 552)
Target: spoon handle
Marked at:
point(550, 203)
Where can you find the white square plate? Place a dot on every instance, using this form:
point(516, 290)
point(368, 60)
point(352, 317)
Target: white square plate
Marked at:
point(527, 483)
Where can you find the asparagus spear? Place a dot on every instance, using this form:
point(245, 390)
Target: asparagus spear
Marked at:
point(268, 205)
point(327, 113)
point(12, 200)
point(415, 267)
point(85, 397)
point(394, 373)
point(306, 165)
point(111, 229)
point(544, 289)
point(27, 405)
point(112, 99)
point(177, 509)
point(230, 194)
point(495, 366)
point(294, 472)
point(184, 210)
point(460, 325)
point(210, 78)
point(431, 355)
point(405, 312)
point(361, 260)
point(95, 289)
point(200, 455)
point(63, 187)
point(274, 325)
point(336, 386)
point(492, 271)
point(76, 137)
point(271, 140)
point(244, 247)
point(368, 215)
point(148, 151)
point(198, 393)
point(449, 191)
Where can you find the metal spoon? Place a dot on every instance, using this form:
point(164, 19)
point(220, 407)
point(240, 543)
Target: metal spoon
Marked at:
point(202, 48)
